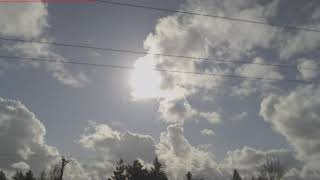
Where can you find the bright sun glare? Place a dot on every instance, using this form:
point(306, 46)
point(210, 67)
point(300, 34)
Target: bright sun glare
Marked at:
point(144, 81)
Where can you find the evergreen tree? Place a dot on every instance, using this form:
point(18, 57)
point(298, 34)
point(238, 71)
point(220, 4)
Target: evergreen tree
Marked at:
point(261, 178)
point(136, 171)
point(189, 176)
point(18, 176)
point(29, 176)
point(119, 173)
point(236, 175)
point(2, 176)
point(43, 175)
point(156, 165)
point(156, 172)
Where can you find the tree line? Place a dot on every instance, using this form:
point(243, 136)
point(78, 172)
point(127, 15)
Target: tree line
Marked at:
point(272, 169)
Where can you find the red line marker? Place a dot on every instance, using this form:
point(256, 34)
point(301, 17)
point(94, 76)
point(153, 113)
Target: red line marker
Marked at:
point(47, 1)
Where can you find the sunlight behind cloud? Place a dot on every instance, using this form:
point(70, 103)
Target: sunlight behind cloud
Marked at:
point(145, 82)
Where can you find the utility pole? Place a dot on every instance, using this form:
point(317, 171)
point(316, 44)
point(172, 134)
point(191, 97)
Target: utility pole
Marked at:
point(64, 162)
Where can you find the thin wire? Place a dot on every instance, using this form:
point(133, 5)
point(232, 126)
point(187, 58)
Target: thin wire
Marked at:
point(154, 54)
point(211, 16)
point(158, 69)
point(5, 156)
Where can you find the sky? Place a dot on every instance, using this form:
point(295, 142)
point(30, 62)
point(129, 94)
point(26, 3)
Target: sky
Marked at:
point(205, 124)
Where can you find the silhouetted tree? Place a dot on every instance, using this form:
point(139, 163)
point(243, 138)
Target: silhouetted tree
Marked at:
point(189, 176)
point(272, 169)
point(261, 178)
point(156, 172)
point(236, 175)
point(43, 175)
point(18, 176)
point(156, 166)
point(51, 174)
point(119, 173)
point(54, 172)
point(29, 176)
point(136, 171)
point(3, 176)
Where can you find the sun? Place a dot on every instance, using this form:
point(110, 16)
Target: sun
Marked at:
point(145, 82)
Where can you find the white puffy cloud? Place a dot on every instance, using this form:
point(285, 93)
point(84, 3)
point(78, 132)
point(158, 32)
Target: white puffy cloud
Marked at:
point(253, 70)
point(176, 111)
point(179, 110)
point(22, 137)
point(29, 21)
point(115, 145)
point(248, 159)
point(207, 132)
point(308, 69)
point(240, 116)
point(174, 151)
point(211, 117)
point(296, 116)
point(76, 170)
point(98, 169)
point(248, 87)
point(20, 166)
point(201, 36)
point(189, 36)
point(198, 36)
point(299, 43)
point(23, 145)
point(179, 156)
point(66, 76)
point(23, 19)
point(111, 145)
point(29, 149)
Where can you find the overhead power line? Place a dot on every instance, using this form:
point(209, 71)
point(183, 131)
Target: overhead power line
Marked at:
point(158, 69)
point(155, 54)
point(297, 28)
